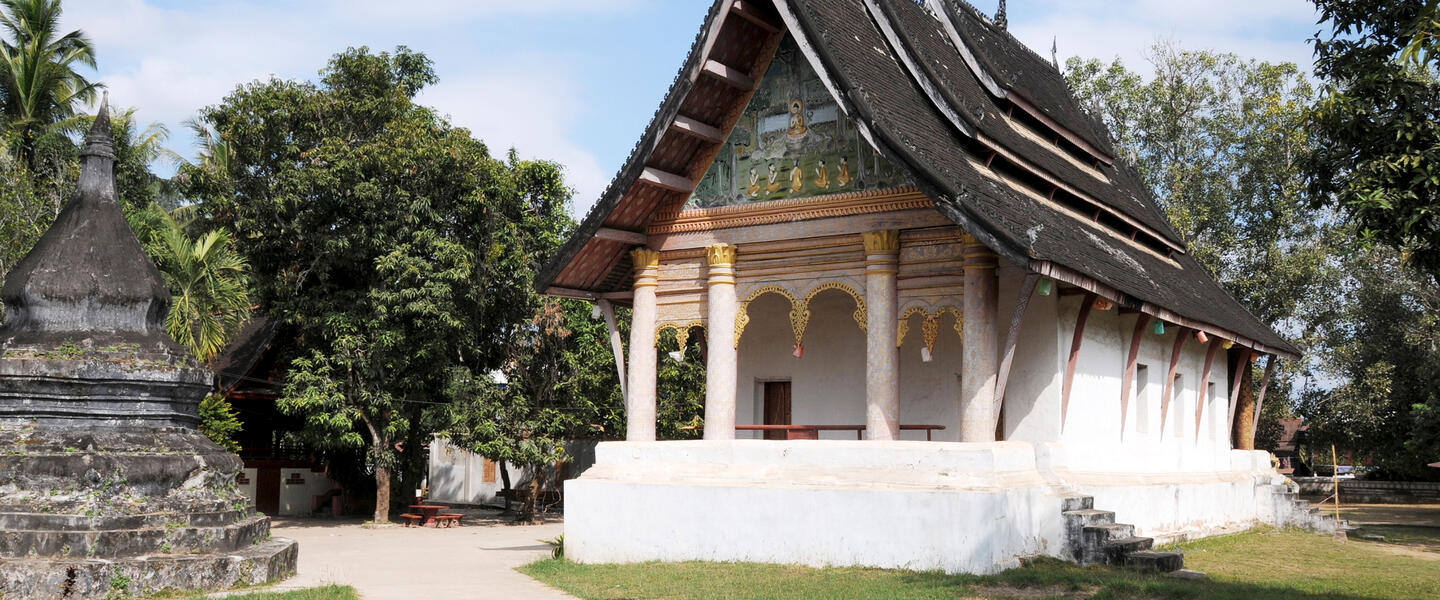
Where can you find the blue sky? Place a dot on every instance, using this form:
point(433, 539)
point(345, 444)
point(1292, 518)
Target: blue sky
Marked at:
point(574, 81)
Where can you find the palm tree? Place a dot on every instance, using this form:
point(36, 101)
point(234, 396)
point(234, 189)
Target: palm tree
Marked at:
point(214, 154)
point(38, 82)
point(208, 282)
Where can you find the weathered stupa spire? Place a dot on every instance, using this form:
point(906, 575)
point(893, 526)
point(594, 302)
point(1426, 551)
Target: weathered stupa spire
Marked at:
point(105, 482)
point(88, 282)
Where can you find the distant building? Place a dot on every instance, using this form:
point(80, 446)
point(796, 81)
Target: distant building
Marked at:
point(282, 478)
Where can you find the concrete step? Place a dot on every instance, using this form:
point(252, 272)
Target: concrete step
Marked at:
point(1152, 560)
point(1089, 517)
point(1115, 551)
point(175, 538)
point(1100, 534)
point(1077, 503)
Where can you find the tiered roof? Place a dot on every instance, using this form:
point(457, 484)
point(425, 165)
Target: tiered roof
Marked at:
point(985, 127)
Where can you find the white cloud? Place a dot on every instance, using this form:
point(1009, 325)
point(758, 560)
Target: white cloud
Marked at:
point(169, 63)
point(1271, 30)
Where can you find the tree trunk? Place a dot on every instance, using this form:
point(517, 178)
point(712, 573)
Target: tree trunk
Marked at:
point(379, 446)
point(532, 499)
point(505, 482)
point(1243, 438)
point(382, 494)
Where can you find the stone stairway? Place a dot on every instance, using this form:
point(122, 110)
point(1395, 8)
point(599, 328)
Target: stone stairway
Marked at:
point(1093, 537)
point(1287, 509)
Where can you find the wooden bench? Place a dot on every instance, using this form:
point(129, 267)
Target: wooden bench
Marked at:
point(411, 520)
point(448, 519)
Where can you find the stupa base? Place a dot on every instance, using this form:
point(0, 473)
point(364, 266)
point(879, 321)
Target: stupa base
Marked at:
point(84, 579)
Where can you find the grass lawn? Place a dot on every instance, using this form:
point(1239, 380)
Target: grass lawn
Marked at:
point(1260, 565)
point(329, 592)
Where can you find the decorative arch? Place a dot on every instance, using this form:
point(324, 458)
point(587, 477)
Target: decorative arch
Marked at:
point(930, 327)
point(861, 314)
point(742, 316)
point(682, 330)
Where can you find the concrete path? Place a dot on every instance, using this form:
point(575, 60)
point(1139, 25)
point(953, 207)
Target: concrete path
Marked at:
point(476, 560)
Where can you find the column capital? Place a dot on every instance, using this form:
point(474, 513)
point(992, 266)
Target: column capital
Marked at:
point(976, 254)
point(720, 255)
point(646, 263)
point(644, 258)
point(885, 241)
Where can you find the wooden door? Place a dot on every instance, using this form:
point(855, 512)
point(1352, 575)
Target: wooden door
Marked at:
point(777, 407)
point(267, 490)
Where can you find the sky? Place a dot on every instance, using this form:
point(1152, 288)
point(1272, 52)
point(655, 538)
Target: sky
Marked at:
point(574, 81)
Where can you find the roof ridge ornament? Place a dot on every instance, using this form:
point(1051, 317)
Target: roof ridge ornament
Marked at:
point(1000, 20)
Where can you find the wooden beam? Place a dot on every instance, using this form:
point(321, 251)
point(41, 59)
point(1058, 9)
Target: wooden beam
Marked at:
point(620, 235)
point(1135, 338)
point(696, 129)
point(569, 293)
point(751, 12)
point(669, 181)
point(1235, 379)
point(1202, 394)
point(1027, 289)
point(1184, 332)
point(616, 346)
point(731, 76)
point(1270, 363)
point(620, 295)
point(1075, 291)
point(1080, 319)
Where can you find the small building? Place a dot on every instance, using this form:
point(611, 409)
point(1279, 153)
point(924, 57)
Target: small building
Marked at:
point(943, 320)
point(282, 478)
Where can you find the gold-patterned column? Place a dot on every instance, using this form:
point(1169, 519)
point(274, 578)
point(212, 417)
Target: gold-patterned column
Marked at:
point(978, 372)
point(640, 410)
point(882, 357)
point(721, 356)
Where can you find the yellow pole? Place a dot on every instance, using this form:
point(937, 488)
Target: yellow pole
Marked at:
point(1335, 476)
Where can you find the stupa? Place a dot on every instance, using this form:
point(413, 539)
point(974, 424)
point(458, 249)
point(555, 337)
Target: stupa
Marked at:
point(107, 488)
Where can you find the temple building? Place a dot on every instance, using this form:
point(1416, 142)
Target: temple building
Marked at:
point(945, 325)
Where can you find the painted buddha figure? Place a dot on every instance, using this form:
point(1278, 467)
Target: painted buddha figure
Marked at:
point(797, 120)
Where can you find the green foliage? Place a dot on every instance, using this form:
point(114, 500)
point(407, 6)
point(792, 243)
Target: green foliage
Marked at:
point(1386, 351)
point(399, 249)
point(208, 280)
point(1376, 155)
point(219, 422)
point(39, 85)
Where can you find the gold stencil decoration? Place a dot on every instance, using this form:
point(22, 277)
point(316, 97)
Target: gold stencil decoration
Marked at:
point(682, 331)
point(720, 255)
point(930, 329)
point(742, 316)
point(861, 314)
point(904, 327)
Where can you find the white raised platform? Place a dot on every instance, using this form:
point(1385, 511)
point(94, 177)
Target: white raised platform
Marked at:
point(957, 507)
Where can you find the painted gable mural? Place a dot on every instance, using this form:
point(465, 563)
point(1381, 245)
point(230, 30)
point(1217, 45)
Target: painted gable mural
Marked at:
point(793, 141)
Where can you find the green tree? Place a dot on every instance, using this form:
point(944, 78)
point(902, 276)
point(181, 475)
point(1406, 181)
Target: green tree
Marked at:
point(392, 241)
point(219, 422)
point(1218, 139)
point(1376, 155)
point(39, 84)
point(1386, 353)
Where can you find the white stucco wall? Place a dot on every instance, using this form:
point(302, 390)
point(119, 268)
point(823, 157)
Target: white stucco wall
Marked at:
point(298, 487)
point(957, 507)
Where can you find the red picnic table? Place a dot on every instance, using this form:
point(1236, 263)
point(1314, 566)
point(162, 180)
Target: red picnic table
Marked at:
point(812, 432)
point(428, 512)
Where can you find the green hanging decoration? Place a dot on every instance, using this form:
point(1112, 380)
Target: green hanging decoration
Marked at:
point(1159, 327)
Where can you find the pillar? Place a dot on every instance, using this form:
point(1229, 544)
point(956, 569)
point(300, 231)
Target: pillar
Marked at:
point(720, 362)
point(977, 374)
point(882, 356)
point(640, 410)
